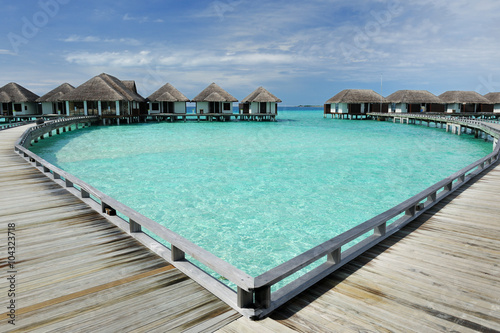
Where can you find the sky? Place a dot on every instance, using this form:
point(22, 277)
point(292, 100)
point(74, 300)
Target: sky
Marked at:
point(304, 52)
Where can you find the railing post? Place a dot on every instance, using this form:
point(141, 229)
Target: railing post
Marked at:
point(244, 299)
point(335, 256)
point(134, 226)
point(432, 197)
point(448, 186)
point(176, 254)
point(380, 230)
point(263, 297)
point(411, 211)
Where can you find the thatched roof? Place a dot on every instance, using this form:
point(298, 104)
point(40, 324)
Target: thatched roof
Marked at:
point(413, 97)
point(463, 97)
point(55, 94)
point(261, 95)
point(130, 84)
point(12, 92)
point(4, 97)
point(356, 96)
point(104, 87)
point(493, 97)
point(168, 93)
point(214, 93)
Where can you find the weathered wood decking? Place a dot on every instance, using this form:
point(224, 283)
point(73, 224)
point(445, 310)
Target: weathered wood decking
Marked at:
point(77, 272)
point(441, 273)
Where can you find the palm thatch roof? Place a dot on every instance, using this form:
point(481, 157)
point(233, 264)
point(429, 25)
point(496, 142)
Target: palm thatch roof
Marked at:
point(261, 95)
point(55, 94)
point(13, 92)
point(4, 97)
point(413, 97)
point(104, 87)
point(493, 97)
point(357, 96)
point(214, 93)
point(463, 97)
point(130, 84)
point(168, 93)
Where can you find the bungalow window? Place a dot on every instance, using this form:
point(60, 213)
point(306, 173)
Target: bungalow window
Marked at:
point(393, 107)
point(336, 107)
point(155, 107)
point(227, 107)
point(18, 107)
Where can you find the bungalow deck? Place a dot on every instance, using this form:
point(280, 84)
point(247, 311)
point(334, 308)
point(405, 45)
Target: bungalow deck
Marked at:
point(213, 116)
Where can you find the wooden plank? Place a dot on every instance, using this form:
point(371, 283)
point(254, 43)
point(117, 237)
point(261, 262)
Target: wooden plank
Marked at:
point(442, 274)
point(77, 271)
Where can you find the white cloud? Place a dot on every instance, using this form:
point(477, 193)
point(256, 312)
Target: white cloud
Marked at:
point(81, 39)
point(8, 52)
point(141, 19)
point(95, 39)
point(112, 59)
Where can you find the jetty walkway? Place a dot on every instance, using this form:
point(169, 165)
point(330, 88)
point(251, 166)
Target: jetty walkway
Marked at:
point(74, 271)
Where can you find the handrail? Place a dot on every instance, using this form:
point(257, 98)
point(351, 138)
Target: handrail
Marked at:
point(223, 268)
point(254, 297)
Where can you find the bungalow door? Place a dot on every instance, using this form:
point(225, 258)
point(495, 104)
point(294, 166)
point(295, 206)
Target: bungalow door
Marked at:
point(214, 107)
point(263, 107)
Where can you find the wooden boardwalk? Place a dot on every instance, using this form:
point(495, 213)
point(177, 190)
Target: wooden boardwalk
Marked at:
point(439, 274)
point(77, 272)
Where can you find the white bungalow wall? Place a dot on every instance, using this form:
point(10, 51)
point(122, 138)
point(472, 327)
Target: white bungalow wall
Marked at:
point(180, 107)
point(226, 111)
point(202, 107)
point(47, 108)
point(255, 108)
point(401, 108)
point(453, 108)
point(496, 108)
point(340, 108)
point(26, 108)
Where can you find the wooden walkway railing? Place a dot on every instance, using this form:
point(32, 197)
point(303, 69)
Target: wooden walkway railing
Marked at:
point(70, 270)
point(253, 297)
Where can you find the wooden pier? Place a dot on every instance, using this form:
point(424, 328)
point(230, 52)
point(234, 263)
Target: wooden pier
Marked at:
point(212, 116)
point(74, 271)
point(441, 273)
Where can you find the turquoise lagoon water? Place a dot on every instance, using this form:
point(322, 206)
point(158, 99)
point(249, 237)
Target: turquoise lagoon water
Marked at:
point(258, 194)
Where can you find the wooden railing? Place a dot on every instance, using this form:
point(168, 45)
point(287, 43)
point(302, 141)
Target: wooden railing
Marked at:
point(253, 297)
point(11, 125)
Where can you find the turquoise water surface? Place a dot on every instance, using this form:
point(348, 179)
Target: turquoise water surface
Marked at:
point(259, 193)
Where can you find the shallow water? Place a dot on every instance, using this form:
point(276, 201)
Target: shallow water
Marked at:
point(258, 194)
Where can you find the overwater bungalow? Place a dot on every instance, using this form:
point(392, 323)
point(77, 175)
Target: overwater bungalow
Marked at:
point(354, 103)
point(167, 99)
point(107, 96)
point(214, 99)
point(260, 101)
point(52, 102)
point(494, 98)
point(463, 101)
point(17, 101)
point(410, 101)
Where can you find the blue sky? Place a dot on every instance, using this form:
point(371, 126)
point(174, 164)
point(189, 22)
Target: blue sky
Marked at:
point(302, 51)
